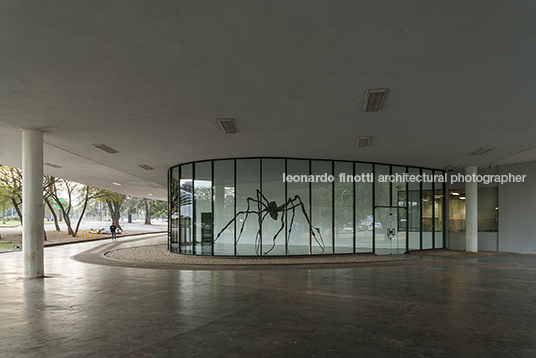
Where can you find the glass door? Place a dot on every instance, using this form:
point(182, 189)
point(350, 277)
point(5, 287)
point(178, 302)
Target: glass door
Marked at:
point(390, 236)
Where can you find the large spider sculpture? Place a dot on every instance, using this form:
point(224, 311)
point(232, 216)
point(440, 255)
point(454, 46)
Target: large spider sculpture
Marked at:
point(265, 208)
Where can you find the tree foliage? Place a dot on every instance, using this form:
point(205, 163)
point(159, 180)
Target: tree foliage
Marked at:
point(11, 187)
point(113, 201)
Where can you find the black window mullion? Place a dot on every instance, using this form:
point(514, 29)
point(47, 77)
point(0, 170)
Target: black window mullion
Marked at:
point(353, 207)
point(333, 208)
point(373, 208)
point(235, 196)
point(285, 213)
point(194, 217)
point(259, 208)
point(212, 204)
point(310, 211)
point(420, 213)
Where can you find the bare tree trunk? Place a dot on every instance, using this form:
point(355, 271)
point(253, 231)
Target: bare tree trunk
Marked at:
point(47, 201)
point(148, 207)
point(66, 217)
point(67, 220)
point(86, 200)
point(115, 207)
point(17, 208)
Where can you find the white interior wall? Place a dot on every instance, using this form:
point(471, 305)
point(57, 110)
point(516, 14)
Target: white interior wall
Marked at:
point(517, 210)
point(517, 213)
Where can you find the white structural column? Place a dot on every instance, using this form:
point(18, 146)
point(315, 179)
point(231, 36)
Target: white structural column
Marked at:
point(471, 210)
point(32, 204)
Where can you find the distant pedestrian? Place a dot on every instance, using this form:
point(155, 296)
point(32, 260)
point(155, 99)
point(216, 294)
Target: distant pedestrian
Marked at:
point(112, 230)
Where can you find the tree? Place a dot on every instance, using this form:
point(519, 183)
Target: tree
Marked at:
point(11, 187)
point(69, 187)
point(154, 208)
point(87, 194)
point(114, 202)
point(46, 197)
point(147, 204)
point(133, 205)
point(159, 208)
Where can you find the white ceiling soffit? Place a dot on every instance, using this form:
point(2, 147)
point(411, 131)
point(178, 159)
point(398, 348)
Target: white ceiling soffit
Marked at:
point(150, 80)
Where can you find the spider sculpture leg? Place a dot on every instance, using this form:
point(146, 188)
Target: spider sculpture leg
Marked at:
point(258, 237)
point(291, 205)
point(280, 229)
point(261, 214)
point(262, 208)
point(246, 212)
point(319, 240)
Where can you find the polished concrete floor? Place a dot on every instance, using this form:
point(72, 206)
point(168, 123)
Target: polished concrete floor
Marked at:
point(424, 307)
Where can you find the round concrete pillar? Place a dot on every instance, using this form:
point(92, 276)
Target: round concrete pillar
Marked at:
point(471, 210)
point(32, 204)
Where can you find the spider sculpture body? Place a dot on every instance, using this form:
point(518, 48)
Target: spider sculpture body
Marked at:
point(265, 208)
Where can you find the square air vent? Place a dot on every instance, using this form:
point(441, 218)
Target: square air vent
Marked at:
point(363, 141)
point(482, 150)
point(374, 99)
point(105, 148)
point(228, 125)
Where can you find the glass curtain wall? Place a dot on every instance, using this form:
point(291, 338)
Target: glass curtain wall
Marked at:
point(174, 215)
point(438, 213)
point(488, 210)
point(186, 209)
point(274, 204)
point(321, 205)
point(364, 208)
point(427, 212)
point(278, 206)
point(224, 207)
point(343, 207)
point(414, 211)
point(248, 207)
point(298, 225)
point(203, 209)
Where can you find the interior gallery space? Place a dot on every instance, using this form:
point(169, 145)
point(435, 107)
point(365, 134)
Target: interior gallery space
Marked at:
point(394, 142)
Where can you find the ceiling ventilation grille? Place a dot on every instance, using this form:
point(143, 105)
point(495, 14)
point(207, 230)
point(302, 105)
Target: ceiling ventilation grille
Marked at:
point(374, 99)
point(52, 165)
point(145, 166)
point(452, 166)
point(228, 125)
point(363, 141)
point(105, 148)
point(482, 150)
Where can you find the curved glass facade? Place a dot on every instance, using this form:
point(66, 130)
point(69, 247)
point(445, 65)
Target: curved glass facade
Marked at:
point(279, 206)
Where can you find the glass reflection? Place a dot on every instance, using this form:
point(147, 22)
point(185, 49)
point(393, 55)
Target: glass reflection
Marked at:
point(249, 207)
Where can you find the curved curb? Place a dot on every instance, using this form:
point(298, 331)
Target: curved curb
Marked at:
point(97, 256)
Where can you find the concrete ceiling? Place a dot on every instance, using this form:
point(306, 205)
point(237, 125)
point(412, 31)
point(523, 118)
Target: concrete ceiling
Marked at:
point(150, 79)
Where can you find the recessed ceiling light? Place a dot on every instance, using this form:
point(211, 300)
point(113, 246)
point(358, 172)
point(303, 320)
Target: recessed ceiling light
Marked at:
point(462, 197)
point(452, 166)
point(374, 99)
point(228, 125)
point(105, 148)
point(52, 165)
point(149, 194)
point(482, 150)
point(115, 183)
point(145, 166)
point(363, 141)
point(455, 193)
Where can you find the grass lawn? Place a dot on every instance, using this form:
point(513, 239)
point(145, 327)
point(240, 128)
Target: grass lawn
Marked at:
point(9, 223)
point(10, 245)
